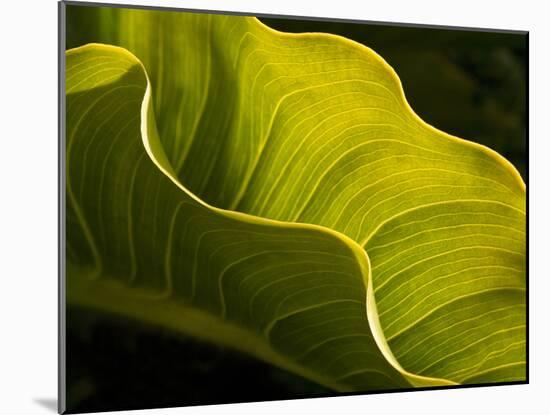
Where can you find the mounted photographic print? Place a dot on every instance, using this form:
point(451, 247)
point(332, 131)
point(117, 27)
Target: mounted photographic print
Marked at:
point(260, 208)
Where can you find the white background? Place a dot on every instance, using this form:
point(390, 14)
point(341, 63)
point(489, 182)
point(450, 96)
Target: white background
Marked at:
point(28, 204)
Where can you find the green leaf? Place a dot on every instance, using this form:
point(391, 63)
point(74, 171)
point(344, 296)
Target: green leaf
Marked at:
point(290, 204)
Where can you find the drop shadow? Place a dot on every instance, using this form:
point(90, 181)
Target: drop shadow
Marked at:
point(48, 403)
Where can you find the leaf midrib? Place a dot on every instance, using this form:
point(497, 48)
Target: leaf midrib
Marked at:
point(163, 310)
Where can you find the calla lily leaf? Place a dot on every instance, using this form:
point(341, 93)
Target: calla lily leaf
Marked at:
point(276, 193)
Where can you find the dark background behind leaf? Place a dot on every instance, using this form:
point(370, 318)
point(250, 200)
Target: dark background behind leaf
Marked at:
point(467, 83)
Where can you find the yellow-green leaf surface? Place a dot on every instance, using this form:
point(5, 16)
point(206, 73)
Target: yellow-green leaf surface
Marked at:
point(277, 194)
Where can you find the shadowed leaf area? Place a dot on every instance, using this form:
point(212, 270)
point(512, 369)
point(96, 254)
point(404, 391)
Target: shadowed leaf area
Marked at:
point(275, 194)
